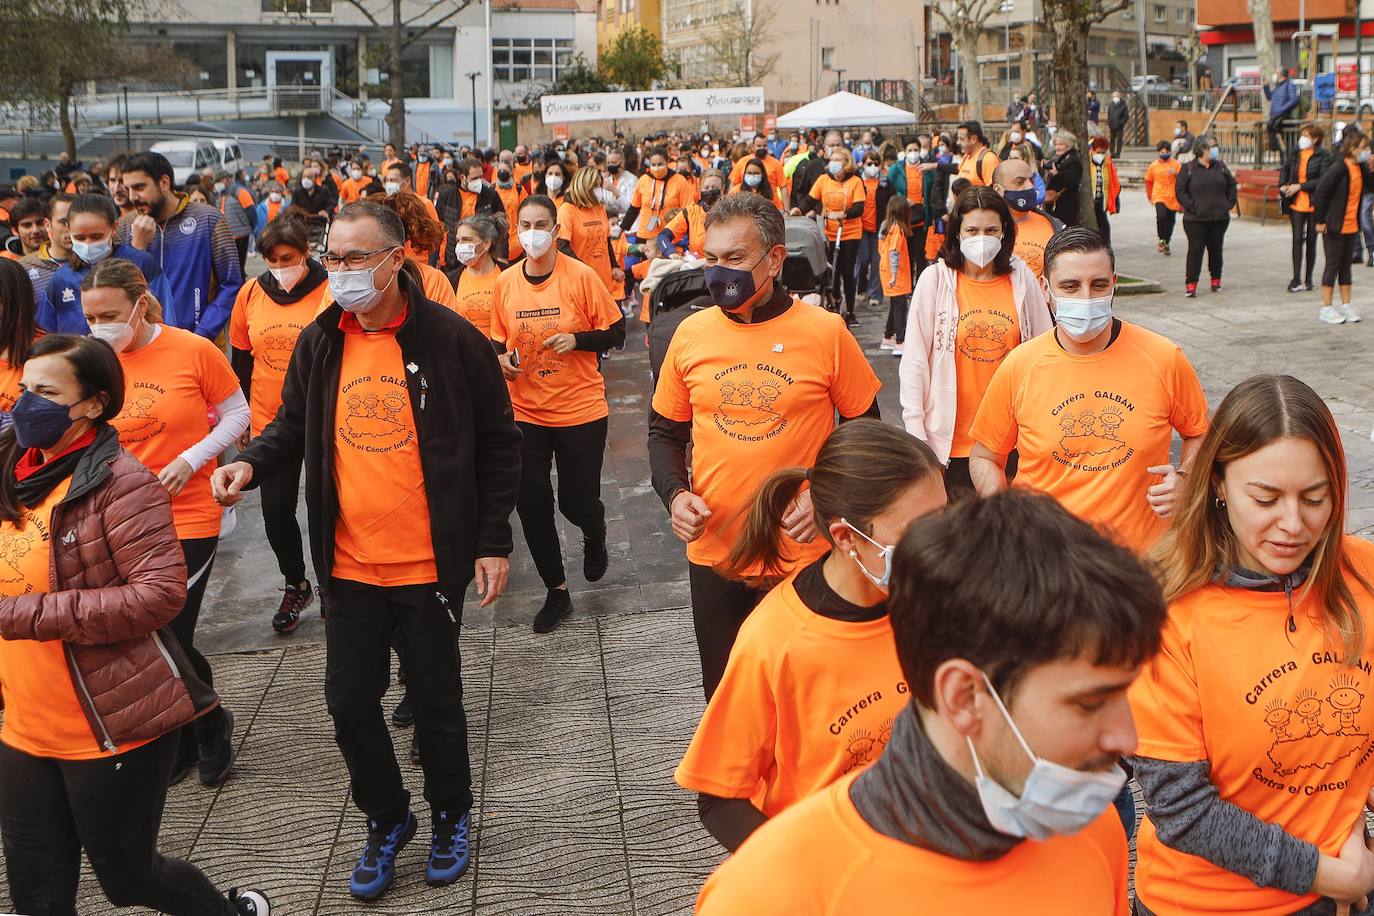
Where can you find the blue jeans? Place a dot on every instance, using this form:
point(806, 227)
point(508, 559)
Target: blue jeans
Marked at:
point(866, 269)
point(1125, 809)
point(1366, 226)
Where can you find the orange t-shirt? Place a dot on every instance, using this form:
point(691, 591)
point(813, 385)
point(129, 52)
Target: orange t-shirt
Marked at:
point(282, 176)
point(520, 169)
point(895, 283)
point(979, 167)
point(772, 167)
point(588, 231)
point(840, 196)
point(269, 332)
point(870, 217)
point(914, 190)
point(692, 222)
point(821, 858)
point(169, 387)
point(988, 330)
point(475, 294)
point(273, 208)
point(553, 389)
point(382, 536)
point(42, 714)
point(1161, 180)
point(1302, 202)
point(655, 198)
point(9, 384)
point(510, 200)
point(350, 190)
point(804, 700)
point(759, 397)
point(933, 242)
point(1033, 233)
point(1087, 427)
point(1282, 721)
point(1351, 223)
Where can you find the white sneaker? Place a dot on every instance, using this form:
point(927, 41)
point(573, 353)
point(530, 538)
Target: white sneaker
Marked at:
point(1329, 315)
point(1351, 316)
point(898, 350)
point(888, 343)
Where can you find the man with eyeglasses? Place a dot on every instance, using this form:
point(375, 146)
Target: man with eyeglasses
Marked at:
point(412, 466)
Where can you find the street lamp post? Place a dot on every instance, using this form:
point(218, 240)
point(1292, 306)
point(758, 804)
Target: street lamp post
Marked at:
point(1007, 7)
point(472, 78)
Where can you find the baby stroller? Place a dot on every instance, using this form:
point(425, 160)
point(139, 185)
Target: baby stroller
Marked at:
point(806, 270)
point(317, 231)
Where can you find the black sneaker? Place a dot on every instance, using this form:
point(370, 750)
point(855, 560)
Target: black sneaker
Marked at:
point(187, 755)
point(1308, 287)
point(1295, 287)
point(250, 903)
point(294, 600)
point(216, 750)
point(557, 606)
point(850, 319)
point(403, 716)
point(595, 558)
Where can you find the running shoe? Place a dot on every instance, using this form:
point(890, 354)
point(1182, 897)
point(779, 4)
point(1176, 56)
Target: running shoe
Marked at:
point(1349, 313)
point(448, 849)
point(376, 867)
point(1295, 286)
point(1163, 246)
point(557, 606)
point(850, 319)
point(216, 750)
point(1167, 250)
point(1308, 287)
point(294, 600)
point(1329, 315)
point(889, 343)
point(595, 558)
point(1216, 284)
point(899, 349)
point(1190, 290)
point(249, 903)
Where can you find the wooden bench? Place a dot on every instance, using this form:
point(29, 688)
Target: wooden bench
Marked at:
point(1257, 184)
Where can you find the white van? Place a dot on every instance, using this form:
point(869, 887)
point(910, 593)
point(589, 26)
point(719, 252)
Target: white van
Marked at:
point(230, 155)
point(188, 157)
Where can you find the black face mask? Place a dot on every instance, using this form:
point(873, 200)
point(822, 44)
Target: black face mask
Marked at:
point(710, 196)
point(522, 159)
point(503, 175)
point(613, 168)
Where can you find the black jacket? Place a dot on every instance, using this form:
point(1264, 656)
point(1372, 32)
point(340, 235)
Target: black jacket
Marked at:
point(318, 198)
point(1333, 193)
point(1067, 179)
point(469, 443)
point(1117, 114)
point(1317, 163)
point(449, 206)
point(1206, 192)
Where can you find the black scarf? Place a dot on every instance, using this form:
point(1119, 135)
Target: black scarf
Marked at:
point(35, 488)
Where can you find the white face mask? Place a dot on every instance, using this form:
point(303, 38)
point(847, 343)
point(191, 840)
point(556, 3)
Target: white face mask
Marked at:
point(553, 182)
point(288, 277)
point(307, 183)
point(118, 334)
point(391, 187)
point(355, 290)
point(1304, 143)
point(90, 252)
point(275, 197)
point(536, 241)
point(1362, 155)
point(1083, 319)
point(1178, 131)
point(219, 187)
point(1099, 158)
point(1055, 800)
point(835, 168)
point(1016, 136)
point(884, 550)
point(871, 171)
point(980, 249)
point(475, 185)
point(465, 252)
point(753, 179)
point(355, 174)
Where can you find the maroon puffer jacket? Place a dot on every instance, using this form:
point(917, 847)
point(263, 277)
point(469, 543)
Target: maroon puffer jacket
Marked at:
point(117, 577)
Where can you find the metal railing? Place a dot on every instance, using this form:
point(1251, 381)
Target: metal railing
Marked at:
point(108, 108)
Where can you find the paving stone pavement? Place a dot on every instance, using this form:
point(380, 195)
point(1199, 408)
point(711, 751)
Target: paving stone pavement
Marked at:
point(575, 734)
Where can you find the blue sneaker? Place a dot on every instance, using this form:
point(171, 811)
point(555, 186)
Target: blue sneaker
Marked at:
point(376, 867)
point(448, 849)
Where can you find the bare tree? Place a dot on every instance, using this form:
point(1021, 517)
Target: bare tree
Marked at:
point(402, 31)
point(1192, 50)
point(1266, 51)
point(1068, 22)
point(739, 43)
point(965, 20)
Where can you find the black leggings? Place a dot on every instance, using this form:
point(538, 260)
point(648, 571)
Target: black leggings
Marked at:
point(1204, 235)
point(200, 560)
point(844, 272)
point(1104, 224)
point(579, 451)
point(1340, 250)
point(897, 308)
point(50, 810)
point(1164, 222)
point(1304, 234)
point(719, 606)
point(279, 495)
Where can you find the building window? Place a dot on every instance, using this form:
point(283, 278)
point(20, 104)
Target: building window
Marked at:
point(317, 7)
point(1181, 14)
point(827, 58)
point(1128, 13)
point(522, 60)
point(1160, 10)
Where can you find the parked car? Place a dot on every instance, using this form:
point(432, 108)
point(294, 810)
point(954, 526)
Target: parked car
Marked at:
point(188, 157)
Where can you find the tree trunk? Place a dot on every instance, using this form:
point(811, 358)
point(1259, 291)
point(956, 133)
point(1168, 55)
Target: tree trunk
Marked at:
point(1069, 51)
point(966, 46)
point(1266, 51)
point(65, 118)
point(395, 89)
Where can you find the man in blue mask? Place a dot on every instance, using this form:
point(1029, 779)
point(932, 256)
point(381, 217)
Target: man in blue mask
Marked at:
point(1019, 630)
point(753, 385)
point(1014, 179)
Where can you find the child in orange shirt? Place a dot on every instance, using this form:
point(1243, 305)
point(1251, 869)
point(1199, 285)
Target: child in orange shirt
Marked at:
point(783, 723)
point(894, 269)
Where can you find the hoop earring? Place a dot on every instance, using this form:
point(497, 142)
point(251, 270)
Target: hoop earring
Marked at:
point(1219, 503)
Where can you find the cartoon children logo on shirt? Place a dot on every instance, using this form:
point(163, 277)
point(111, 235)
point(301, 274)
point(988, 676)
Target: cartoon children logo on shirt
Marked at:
point(1303, 733)
point(278, 342)
point(864, 747)
point(138, 421)
point(16, 543)
point(374, 422)
point(1090, 437)
point(535, 328)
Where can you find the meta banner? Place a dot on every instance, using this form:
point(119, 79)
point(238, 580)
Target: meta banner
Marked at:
point(662, 103)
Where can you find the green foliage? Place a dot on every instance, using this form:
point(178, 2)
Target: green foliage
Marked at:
point(634, 60)
point(579, 77)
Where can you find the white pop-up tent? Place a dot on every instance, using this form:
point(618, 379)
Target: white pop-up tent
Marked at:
point(844, 109)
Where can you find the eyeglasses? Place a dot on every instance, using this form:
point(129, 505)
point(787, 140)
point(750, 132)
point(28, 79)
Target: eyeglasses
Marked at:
point(353, 260)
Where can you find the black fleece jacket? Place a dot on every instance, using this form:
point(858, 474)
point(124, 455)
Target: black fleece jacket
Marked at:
point(469, 443)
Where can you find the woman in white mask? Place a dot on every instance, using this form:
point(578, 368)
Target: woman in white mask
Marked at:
point(817, 640)
point(551, 315)
point(1254, 719)
point(876, 193)
point(968, 311)
point(474, 279)
point(269, 314)
point(173, 381)
point(92, 219)
point(556, 181)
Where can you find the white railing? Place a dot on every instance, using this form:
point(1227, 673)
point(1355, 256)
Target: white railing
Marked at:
point(104, 109)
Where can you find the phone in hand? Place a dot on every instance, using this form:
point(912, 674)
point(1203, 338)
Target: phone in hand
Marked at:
point(515, 358)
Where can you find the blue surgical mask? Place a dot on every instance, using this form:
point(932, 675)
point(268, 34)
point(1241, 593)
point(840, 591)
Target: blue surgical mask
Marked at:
point(731, 287)
point(1020, 200)
point(753, 179)
point(1083, 319)
point(884, 550)
point(90, 252)
point(39, 422)
point(356, 290)
point(835, 168)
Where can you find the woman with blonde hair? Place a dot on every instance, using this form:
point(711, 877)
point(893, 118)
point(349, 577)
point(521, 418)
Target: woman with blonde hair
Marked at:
point(838, 197)
point(173, 380)
point(1254, 720)
point(424, 235)
point(583, 223)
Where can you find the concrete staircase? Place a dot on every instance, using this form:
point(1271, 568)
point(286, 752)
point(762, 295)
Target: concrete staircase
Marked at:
point(1131, 165)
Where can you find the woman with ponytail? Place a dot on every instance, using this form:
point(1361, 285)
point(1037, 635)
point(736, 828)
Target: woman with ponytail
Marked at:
point(174, 379)
point(813, 682)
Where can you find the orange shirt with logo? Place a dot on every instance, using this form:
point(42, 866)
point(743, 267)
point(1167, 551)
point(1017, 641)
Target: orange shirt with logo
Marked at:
point(896, 283)
point(1302, 202)
point(1033, 233)
point(760, 397)
point(9, 384)
point(691, 222)
point(170, 385)
point(804, 700)
point(588, 231)
point(838, 196)
point(474, 293)
point(269, 332)
point(655, 198)
point(1351, 223)
point(42, 714)
point(553, 389)
point(1088, 427)
point(988, 330)
point(821, 858)
point(382, 535)
point(1283, 721)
